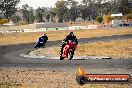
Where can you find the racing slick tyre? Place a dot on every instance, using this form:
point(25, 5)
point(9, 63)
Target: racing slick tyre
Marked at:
point(70, 54)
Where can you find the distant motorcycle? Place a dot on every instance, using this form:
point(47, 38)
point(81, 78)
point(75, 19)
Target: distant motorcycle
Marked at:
point(68, 50)
point(40, 43)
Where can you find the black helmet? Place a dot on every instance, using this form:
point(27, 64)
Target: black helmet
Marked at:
point(70, 33)
point(44, 35)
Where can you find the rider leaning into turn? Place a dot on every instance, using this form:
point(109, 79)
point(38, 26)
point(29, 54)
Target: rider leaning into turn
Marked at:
point(71, 37)
point(45, 38)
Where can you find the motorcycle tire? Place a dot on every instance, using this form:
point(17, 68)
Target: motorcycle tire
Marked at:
point(36, 46)
point(70, 55)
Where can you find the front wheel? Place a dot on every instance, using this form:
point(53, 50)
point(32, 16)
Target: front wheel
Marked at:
point(70, 54)
point(36, 46)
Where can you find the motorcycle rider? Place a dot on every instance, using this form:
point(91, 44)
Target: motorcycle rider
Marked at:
point(45, 38)
point(42, 41)
point(71, 37)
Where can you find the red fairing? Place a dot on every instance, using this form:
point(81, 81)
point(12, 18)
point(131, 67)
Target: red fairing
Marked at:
point(70, 45)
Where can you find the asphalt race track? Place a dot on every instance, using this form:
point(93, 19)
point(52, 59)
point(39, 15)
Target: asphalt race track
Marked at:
point(10, 57)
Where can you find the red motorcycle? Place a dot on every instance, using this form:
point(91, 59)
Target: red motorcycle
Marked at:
point(68, 50)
